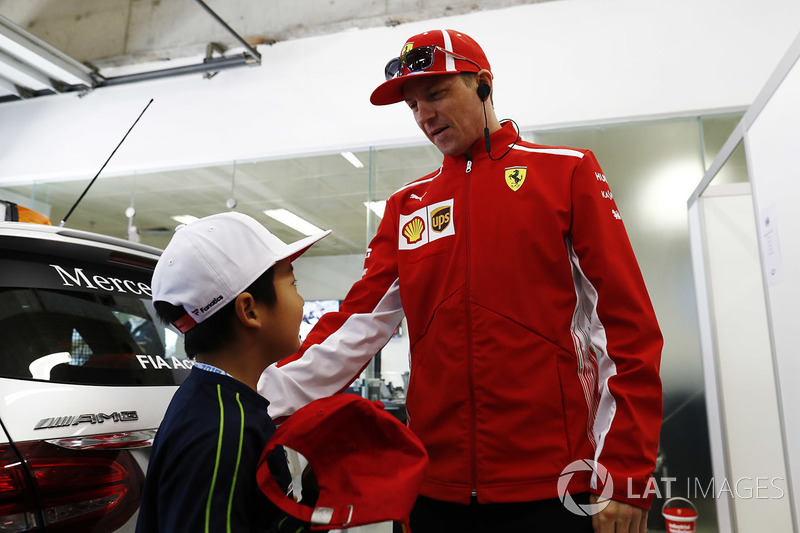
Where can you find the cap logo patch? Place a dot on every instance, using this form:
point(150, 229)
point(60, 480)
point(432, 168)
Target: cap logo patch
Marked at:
point(515, 177)
point(205, 308)
point(412, 231)
point(440, 218)
point(406, 49)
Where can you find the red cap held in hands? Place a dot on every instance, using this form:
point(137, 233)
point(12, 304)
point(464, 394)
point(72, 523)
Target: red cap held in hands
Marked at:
point(369, 466)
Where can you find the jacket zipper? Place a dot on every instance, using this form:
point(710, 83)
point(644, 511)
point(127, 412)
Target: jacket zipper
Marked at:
point(473, 413)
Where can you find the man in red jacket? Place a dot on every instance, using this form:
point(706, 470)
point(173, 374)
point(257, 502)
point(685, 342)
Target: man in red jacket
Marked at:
point(534, 346)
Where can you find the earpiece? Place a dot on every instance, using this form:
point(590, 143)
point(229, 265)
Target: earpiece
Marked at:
point(483, 91)
point(483, 94)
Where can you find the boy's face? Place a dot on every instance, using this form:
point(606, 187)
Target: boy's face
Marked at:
point(283, 329)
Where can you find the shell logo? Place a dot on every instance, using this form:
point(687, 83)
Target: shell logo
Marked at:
point(413, 230)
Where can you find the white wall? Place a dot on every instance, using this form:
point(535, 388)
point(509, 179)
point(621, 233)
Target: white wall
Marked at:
point(772, 143)
point(556, 63)
point(742, 370)
point(747, 264)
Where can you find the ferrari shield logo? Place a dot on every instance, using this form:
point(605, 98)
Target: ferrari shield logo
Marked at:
point(515, 177)
point(406, 49)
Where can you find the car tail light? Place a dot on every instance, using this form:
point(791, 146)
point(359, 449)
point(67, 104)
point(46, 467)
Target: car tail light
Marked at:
point(78, 491)
point(17, 508)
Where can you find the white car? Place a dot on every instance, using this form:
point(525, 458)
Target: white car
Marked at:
point(86, 374)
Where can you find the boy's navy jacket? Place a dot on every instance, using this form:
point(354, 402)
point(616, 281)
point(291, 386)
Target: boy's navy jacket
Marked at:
point(201, 475)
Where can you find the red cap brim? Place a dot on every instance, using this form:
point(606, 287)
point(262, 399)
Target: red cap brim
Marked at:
point(391, 92)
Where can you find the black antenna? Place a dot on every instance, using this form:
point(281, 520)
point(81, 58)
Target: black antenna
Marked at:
point(64, 221)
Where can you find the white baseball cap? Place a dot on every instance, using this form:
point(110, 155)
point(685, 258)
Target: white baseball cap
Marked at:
point(211, 261)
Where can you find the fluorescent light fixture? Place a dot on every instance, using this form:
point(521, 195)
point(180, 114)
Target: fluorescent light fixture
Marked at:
point(42, 57)
point(9, 87)
point(353, 159)
point(184, 219)
point(24, 75)
point(293, 221)
point(377, 207)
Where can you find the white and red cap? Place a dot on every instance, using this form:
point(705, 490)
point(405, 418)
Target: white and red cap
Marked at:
point(460, 44)
point(210, 261)
point(369, 466)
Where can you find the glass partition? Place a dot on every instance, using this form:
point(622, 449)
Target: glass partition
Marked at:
point(715, 131)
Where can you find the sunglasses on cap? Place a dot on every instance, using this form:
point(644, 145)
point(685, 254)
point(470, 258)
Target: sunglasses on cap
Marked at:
point(418, 59)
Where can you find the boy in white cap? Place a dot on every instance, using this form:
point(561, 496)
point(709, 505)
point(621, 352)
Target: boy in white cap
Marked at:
point(227, 284)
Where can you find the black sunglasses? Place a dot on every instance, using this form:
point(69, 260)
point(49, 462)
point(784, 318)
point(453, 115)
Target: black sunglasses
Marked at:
point(418, 59)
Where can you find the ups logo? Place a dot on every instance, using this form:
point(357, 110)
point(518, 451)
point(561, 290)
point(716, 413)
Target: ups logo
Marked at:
point(440, 219)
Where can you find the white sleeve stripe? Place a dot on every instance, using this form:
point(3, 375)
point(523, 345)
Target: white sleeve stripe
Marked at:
point(554, 151)
point(590, 336)
point(327, 367)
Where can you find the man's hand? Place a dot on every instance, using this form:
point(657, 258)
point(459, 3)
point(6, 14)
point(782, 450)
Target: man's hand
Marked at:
point(619, 517)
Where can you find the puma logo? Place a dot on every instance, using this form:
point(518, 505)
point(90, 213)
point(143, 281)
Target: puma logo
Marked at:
point(415, 197)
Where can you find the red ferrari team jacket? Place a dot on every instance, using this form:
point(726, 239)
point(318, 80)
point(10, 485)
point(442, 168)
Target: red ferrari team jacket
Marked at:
point(533, 340)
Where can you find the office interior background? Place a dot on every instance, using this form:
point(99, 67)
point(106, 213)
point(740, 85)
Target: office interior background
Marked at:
point(655, 88)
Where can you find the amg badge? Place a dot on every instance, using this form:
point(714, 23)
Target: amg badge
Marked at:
point(99, 418)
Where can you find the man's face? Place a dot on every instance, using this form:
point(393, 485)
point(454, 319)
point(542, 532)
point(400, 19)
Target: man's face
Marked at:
point(447, 110)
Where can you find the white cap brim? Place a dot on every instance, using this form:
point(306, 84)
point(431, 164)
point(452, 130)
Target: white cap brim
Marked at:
point(296, 249)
